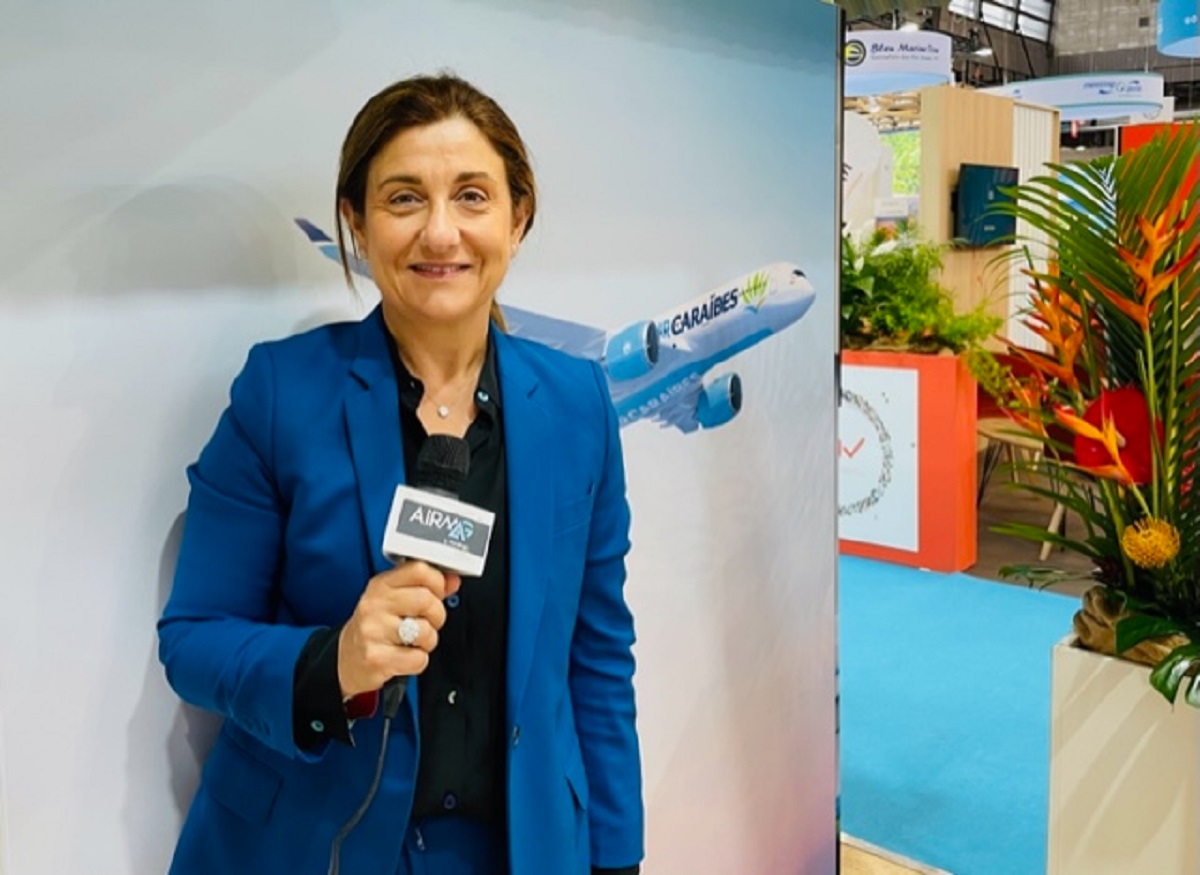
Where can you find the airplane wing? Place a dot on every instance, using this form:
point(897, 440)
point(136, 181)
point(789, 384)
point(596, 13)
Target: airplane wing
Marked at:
point(680, 411)
point(571, 337)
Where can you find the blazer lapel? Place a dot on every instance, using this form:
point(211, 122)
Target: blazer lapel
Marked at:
point(373, 429)
point(527, 439)
point(376, 448)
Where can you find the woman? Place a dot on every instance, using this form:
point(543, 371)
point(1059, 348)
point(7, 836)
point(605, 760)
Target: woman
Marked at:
point(514, 749)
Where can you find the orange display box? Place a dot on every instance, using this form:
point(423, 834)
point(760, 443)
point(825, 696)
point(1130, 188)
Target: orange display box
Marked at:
point(1130, 137)
point(944, 452)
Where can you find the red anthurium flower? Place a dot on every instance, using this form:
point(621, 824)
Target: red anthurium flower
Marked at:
point(1123, 411)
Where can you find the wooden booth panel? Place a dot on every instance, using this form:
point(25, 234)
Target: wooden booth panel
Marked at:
point(963, 126)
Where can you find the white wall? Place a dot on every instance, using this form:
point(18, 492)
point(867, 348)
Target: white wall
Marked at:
point(154, 156)
point(4, 867)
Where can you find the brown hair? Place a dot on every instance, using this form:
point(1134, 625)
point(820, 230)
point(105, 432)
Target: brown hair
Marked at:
point(425, 100)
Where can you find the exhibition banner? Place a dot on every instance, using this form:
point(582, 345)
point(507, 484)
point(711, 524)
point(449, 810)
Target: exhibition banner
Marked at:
point(1090, 95)
point(888, 61)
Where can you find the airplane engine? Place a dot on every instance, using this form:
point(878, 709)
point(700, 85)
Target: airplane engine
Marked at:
point(632, 351)
point(719, 401)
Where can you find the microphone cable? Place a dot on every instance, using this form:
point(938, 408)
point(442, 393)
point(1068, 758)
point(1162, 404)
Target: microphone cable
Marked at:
point(335, 849)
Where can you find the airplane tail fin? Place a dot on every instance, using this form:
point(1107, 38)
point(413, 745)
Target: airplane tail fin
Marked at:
point(329, 249)
point(312, 232)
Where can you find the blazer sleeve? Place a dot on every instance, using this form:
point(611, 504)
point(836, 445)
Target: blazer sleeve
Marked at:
point(218, 637)
point(602, 666)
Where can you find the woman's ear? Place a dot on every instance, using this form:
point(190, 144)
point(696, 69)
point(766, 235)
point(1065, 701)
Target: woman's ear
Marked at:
point(354, 221)
point(520, 220)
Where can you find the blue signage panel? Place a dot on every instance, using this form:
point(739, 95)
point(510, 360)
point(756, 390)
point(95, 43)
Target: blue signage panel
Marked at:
point(1178, 34)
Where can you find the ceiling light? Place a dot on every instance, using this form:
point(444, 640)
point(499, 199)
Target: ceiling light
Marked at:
point(983, 52)
point(910, 26)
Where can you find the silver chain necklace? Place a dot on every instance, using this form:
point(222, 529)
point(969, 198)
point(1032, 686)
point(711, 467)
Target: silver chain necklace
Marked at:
point(443, 410)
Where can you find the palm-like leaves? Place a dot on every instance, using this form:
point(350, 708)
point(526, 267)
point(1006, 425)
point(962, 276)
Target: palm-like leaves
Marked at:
point(1119, 306)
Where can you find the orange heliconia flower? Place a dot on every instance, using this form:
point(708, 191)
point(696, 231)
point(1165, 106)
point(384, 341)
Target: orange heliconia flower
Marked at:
point(1159, 236)
point(1108, 437)
point(1114, 438)
point(1025, 407)
point(1149, 284)
point(1046, 365)
point(1131, 308)
point(1058, 320)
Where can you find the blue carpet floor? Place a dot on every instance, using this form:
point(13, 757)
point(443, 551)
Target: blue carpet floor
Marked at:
point(945, 715)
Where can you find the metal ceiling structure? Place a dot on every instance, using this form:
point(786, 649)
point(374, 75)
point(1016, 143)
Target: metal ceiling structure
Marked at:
point(1030, 18)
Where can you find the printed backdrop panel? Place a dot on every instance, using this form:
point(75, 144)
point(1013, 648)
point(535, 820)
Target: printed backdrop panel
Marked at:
point(686, 160)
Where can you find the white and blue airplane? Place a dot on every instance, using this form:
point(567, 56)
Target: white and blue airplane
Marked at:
point(656, 368)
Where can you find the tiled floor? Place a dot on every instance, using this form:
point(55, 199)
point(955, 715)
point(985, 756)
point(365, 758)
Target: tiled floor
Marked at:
point(1005, 503)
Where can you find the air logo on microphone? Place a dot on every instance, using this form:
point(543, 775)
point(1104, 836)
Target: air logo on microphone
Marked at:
point(429, 523)
point(430, 527)
point(461, 531)
point(456, 528)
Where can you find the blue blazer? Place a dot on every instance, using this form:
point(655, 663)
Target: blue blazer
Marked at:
point(284, 527)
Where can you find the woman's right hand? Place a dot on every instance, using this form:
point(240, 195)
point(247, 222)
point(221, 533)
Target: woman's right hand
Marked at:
point(369, 649)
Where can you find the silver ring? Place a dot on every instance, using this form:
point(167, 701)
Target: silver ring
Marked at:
point(408, 631)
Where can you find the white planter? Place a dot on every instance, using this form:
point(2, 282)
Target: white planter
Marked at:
point(1124, 771)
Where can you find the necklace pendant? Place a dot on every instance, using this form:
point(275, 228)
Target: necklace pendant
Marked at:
point(443, 411)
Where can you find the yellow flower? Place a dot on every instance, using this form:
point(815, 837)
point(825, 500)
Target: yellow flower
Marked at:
point(1150, 543)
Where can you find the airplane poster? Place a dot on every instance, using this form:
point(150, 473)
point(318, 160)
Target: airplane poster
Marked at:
point(657, 368)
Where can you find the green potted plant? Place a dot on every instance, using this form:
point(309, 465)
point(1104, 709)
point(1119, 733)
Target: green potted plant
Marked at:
point(1118, 308)
point(891, 298)
point(1113, 393)
point(908, 405)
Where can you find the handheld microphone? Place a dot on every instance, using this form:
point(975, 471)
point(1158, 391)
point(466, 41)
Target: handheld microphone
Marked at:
point(428, 522)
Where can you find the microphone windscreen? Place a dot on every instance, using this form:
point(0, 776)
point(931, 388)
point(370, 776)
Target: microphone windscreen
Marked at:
point(442, 464)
